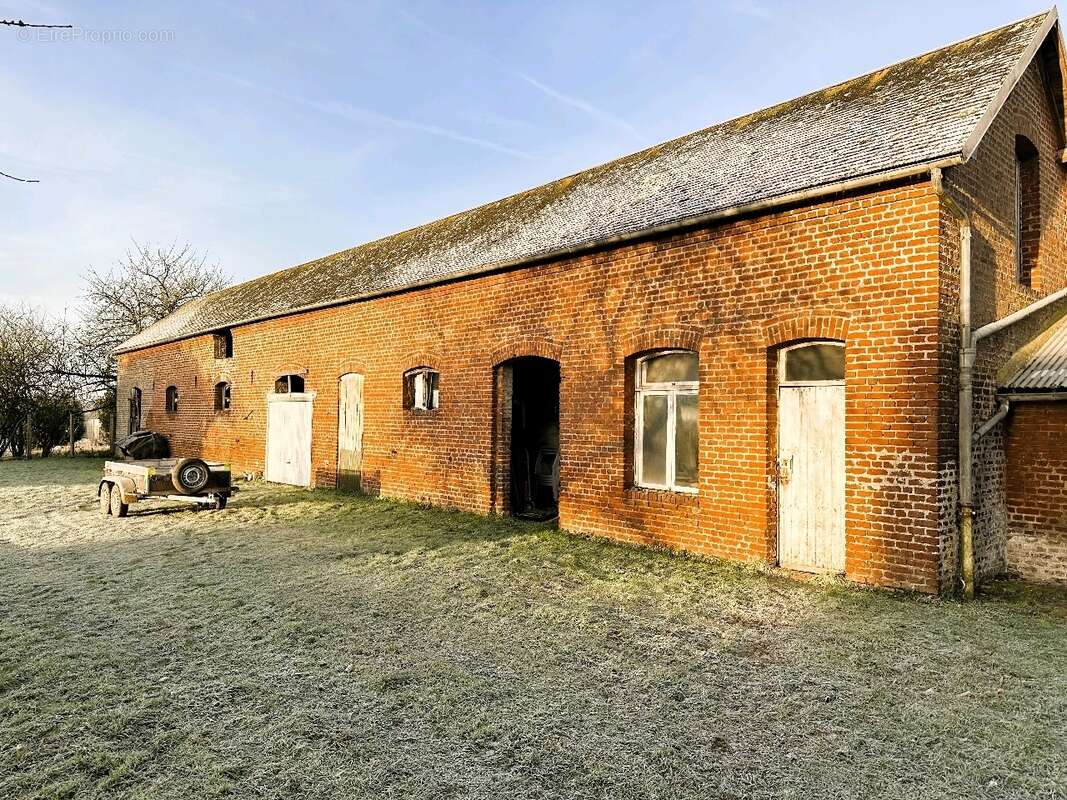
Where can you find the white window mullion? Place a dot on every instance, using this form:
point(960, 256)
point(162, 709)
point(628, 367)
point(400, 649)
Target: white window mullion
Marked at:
point(639, 437)
point(669, 472)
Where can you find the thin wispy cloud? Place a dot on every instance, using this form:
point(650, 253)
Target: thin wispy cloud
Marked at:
point(367, 116)
point(562, 97)
point(497, 120)
point(582, 105)
point(750, 8)
point(363, 115)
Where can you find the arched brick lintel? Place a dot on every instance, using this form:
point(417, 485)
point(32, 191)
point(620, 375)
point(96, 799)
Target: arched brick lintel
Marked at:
point(670, 338)
point(526, 346)
point(289, 369)
point(808, 325)
point(420, 358)
point(351, 367)
point(222, 376)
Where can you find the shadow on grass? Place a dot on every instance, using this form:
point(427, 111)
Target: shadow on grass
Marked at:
point(353, 526)
point(1042, 598)
point(51, 471)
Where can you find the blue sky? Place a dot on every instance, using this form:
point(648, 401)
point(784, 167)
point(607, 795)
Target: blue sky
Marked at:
point(267, 134)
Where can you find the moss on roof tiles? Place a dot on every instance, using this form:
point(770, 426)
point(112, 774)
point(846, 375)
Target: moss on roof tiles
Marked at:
point(912, 112)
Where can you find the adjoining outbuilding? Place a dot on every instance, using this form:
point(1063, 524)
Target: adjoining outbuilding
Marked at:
point(776, 339)
point(1033, 393)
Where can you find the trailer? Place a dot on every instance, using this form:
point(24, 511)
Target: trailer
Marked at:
point(207, 484)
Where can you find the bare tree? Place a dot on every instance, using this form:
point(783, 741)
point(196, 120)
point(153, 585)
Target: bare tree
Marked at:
point(146, 285)
point(30, 344)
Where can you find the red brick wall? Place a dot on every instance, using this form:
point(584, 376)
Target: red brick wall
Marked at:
point(986, 187)
point(862, 268)
point(1036, 454)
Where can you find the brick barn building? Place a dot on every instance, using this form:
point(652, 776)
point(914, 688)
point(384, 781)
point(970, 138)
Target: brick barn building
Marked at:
point(749, 342)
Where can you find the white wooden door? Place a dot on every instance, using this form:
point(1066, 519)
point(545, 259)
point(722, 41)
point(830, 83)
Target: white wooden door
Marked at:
point(289, 438)
point(811, 477)
point(350, 432)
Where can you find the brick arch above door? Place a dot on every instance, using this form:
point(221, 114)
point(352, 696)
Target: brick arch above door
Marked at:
point(526, 346)
point(351, 367)
point(289, 369)
point(805, 325)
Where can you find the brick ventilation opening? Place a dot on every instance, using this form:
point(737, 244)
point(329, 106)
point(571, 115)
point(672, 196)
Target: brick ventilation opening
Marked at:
point(224, 344)
point(172, 399)
point(222, 396)
point(1028, 209)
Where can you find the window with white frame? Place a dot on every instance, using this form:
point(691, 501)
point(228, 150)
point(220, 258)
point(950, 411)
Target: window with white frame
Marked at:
point(421, 392)
point(812, 363)
point(665, 429)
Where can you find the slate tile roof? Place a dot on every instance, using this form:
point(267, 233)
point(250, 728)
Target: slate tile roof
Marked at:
point(1044, 366)
point(915, 112)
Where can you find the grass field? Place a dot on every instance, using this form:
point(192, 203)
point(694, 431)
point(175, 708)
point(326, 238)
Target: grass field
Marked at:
point(314, 645)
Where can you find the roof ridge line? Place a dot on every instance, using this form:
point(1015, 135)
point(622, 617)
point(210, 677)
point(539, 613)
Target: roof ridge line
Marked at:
point(769, 205)
point(828, 140)
point(655, 146)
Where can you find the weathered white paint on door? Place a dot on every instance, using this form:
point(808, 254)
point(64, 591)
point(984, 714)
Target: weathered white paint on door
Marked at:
point(811, 477)
point(350, 432)
point(289, 438)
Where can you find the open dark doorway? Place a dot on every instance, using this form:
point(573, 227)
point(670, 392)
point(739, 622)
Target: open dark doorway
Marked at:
point(534, 438)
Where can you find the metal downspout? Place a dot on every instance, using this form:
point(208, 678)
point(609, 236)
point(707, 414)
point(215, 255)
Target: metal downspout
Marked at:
point(966, 395)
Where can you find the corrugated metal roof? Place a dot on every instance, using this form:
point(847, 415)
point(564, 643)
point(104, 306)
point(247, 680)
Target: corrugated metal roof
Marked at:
point(1045, 368)
point(916, 112)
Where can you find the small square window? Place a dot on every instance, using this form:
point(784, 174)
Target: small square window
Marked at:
point(224, 344)
point(287, 384)
point(421, 389)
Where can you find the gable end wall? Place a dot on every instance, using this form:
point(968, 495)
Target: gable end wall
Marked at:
point(986, 187)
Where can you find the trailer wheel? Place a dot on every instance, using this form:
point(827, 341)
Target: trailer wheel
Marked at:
point(220, 503)
point(190, 475)
point(104, 498)
point(118, 508)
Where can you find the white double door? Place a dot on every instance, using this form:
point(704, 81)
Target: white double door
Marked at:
point(289, 438)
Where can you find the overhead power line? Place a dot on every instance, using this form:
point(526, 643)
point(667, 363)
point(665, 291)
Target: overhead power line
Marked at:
point(20, 180)
point(18, 23)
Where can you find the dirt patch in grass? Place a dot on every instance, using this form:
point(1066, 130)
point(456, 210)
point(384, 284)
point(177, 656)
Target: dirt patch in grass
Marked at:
point(311, 644)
